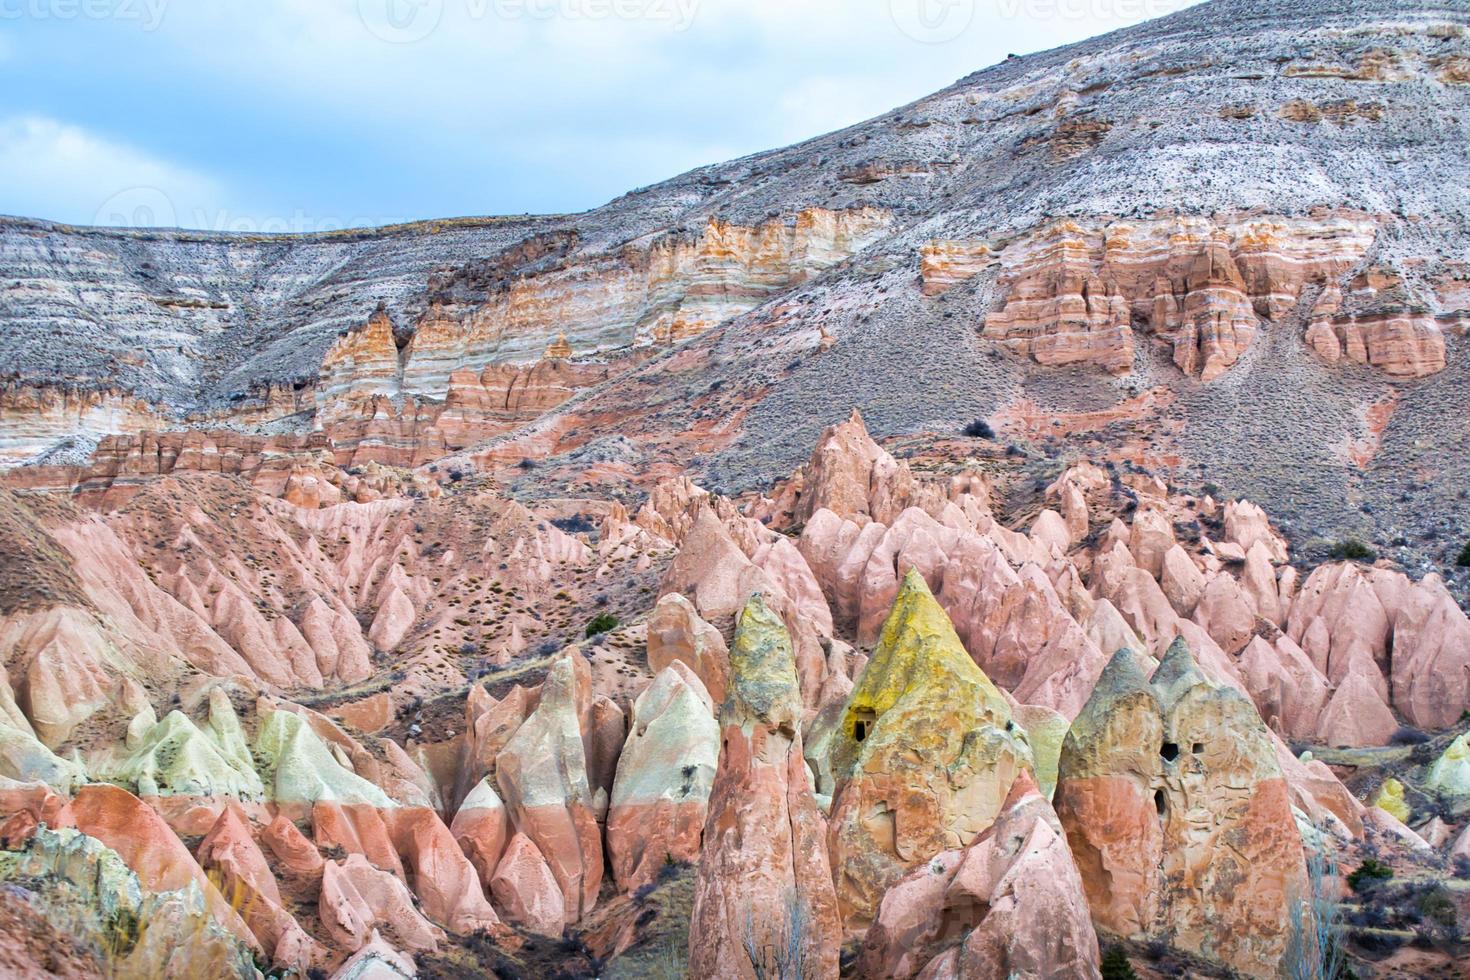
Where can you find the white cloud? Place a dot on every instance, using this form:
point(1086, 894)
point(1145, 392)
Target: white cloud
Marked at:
point(63, 172)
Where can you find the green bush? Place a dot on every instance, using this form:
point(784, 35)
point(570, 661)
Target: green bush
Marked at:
point(1464, 560)
point(604, 623)
point(1115, 965)
point(1369, 873)
point(1353, 550)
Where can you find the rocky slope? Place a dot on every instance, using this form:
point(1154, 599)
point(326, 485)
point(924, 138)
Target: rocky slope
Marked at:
point(528, 596)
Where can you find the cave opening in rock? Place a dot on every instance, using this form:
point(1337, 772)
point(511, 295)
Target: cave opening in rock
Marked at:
point(1170, 751)
point(1161, 803)
point(860, 730)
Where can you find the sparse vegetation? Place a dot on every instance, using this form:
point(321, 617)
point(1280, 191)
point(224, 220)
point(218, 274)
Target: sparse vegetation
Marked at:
point(1464, 560)
point(979, 429)
point(1314, 948)
point(1353, 550)
point(1115, 965)
point(602, 624)
point(1369, 874)
point(779, 954)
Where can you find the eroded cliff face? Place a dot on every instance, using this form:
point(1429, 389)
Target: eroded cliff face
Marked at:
point(1075, 293)
point(675, 288)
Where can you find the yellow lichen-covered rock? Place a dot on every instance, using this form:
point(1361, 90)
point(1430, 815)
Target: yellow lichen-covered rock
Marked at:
point(1450, 774)
point(1390, 799)
point(924, 756)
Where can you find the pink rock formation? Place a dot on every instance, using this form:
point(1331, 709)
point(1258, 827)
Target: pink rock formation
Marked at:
point(525, 888)
point(482, 827)
point(676, 632)
point(441, 876)
point(358, 899)
point(1011, 904)
point(1399, 342)
point(665, 775)
point(1174, 806)
point(764, 860)
point(1078, 292)
point(357, 828)
point(236, 865)
point(542, 775)
point(296, 856)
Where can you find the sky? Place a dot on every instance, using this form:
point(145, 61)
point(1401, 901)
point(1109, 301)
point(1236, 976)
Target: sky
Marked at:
point(313, 115)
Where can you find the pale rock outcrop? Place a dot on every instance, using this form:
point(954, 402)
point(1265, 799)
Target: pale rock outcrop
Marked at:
point(676, 632)
point(543, 779)
point(298, 767)
point(924, 757)
point(1450, 773)
point(377, 961)
point(665, 773)
point(92, 896)
point(764, 850)
point(176, 758)
point(1175, 805)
